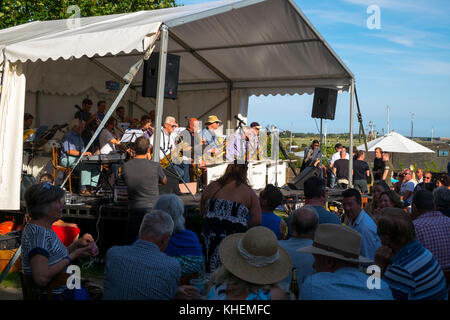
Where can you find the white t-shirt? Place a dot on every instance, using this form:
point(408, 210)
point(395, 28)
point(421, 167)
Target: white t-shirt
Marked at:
point(167, 142)
point(337, 156)
point(106, 146)
point(408, 186)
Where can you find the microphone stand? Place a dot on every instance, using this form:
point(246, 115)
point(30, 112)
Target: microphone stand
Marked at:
point(178, 175)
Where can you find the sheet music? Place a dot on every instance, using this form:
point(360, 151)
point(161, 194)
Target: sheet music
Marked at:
point(131, 135)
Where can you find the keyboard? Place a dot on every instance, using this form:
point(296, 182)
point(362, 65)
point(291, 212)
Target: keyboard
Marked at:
point(104, 158)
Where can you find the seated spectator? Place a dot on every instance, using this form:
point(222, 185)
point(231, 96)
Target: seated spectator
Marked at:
point(379, 187)
point(303, 224)
point(270, 198)
point(44, 256)
point(442, 200)
point(336, 251)
point(143, 271)
point(427, 183)
point(316, 196)
point(432, 227)
point(407, 266)
point(183, 244)
point(360, 221)
point(252, 265)
point(47, 177)
point(443, 181)
point(389, 199)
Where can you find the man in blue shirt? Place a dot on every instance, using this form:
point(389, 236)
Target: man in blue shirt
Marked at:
point(209, 134)
point(336, 258)
point(303, 224)
point(72, 147)
point(143, 271)
point(360, 221)
point(270, 198)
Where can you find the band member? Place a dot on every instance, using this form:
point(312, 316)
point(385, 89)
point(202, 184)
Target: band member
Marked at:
point(238, 145)
point(123, 122)
point(27, 121)
point(108, 139)
point(72, 148)
point(151, 128)
point(101, 107)
point(193, 153)
point(255, 149)
point(145, 126)
point(85, 115)
point(209, 133)
point(167, 141)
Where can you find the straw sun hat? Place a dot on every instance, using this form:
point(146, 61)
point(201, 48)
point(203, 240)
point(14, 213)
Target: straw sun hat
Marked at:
point(212, 119)
point(337, 241)
point(255, 256)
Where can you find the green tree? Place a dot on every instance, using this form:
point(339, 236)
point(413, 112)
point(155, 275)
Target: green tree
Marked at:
point(15, 12)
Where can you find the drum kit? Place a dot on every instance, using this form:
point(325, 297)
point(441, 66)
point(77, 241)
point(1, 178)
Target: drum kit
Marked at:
point(37, 146)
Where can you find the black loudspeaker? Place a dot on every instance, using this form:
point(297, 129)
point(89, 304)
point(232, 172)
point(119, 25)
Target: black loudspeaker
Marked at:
point(297, 183)
point(150, 78)
point(324, 105)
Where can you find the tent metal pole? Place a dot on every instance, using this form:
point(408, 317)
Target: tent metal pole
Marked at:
point(160, 91)
point(350, 152)
point(230, 106)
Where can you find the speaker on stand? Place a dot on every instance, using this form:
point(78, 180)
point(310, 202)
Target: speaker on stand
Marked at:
point(311, 171)
point(150, 77)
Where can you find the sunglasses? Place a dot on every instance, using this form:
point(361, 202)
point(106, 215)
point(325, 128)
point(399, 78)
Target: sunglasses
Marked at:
point(427, 178)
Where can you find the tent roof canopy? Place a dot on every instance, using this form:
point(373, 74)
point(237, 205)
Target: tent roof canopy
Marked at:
point(395, 142)
point(264, 46)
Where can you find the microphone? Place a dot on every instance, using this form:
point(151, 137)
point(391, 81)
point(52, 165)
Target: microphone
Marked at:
point(240, 120)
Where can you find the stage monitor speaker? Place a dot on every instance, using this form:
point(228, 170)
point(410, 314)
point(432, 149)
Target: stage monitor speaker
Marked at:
point(297, 183)
point(324, 105)
point(150, 78)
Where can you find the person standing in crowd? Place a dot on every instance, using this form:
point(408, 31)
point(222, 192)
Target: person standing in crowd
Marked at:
point(378, 165)
point(183, 244)
point(142, 178)
point(72, 148)
point(432, 227)
point(270, 198)
point(360, 221)
point(406, 265)
point(361, 172)
point(419, 175)
point(142, 271)
point(340, 169)
point(336, 251)
point(442, 200)
point(334, 157)
point(388, 169)
point(253, 264)
point(44, 256)
point(304, 223)
point(407, 187)
point(228, 205)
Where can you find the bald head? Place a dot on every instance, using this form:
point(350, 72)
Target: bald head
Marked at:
point(304, 222)
point(193, 124)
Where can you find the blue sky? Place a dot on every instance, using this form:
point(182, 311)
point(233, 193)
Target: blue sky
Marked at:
point(405, 64)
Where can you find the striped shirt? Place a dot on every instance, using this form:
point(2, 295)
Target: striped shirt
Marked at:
point(416, 275)
point(42, 241)
point(433, 231)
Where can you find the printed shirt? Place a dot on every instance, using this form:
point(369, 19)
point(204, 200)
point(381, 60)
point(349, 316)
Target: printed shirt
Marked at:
point(140, 272)
point(433, 231)
point(344, 284)
point(415, 274)
point(370, 241)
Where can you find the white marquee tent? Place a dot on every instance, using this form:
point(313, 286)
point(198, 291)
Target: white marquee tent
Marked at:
point(395, 142)
point(229, 51)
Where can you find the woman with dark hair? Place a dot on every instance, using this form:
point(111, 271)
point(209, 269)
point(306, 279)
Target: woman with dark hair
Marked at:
point(443, 181)
point(228, 205)
point(379, 187)
point(44, 256)
point(388, 199)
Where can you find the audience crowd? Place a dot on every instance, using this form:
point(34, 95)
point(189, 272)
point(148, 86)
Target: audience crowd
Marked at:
point(394, 246)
